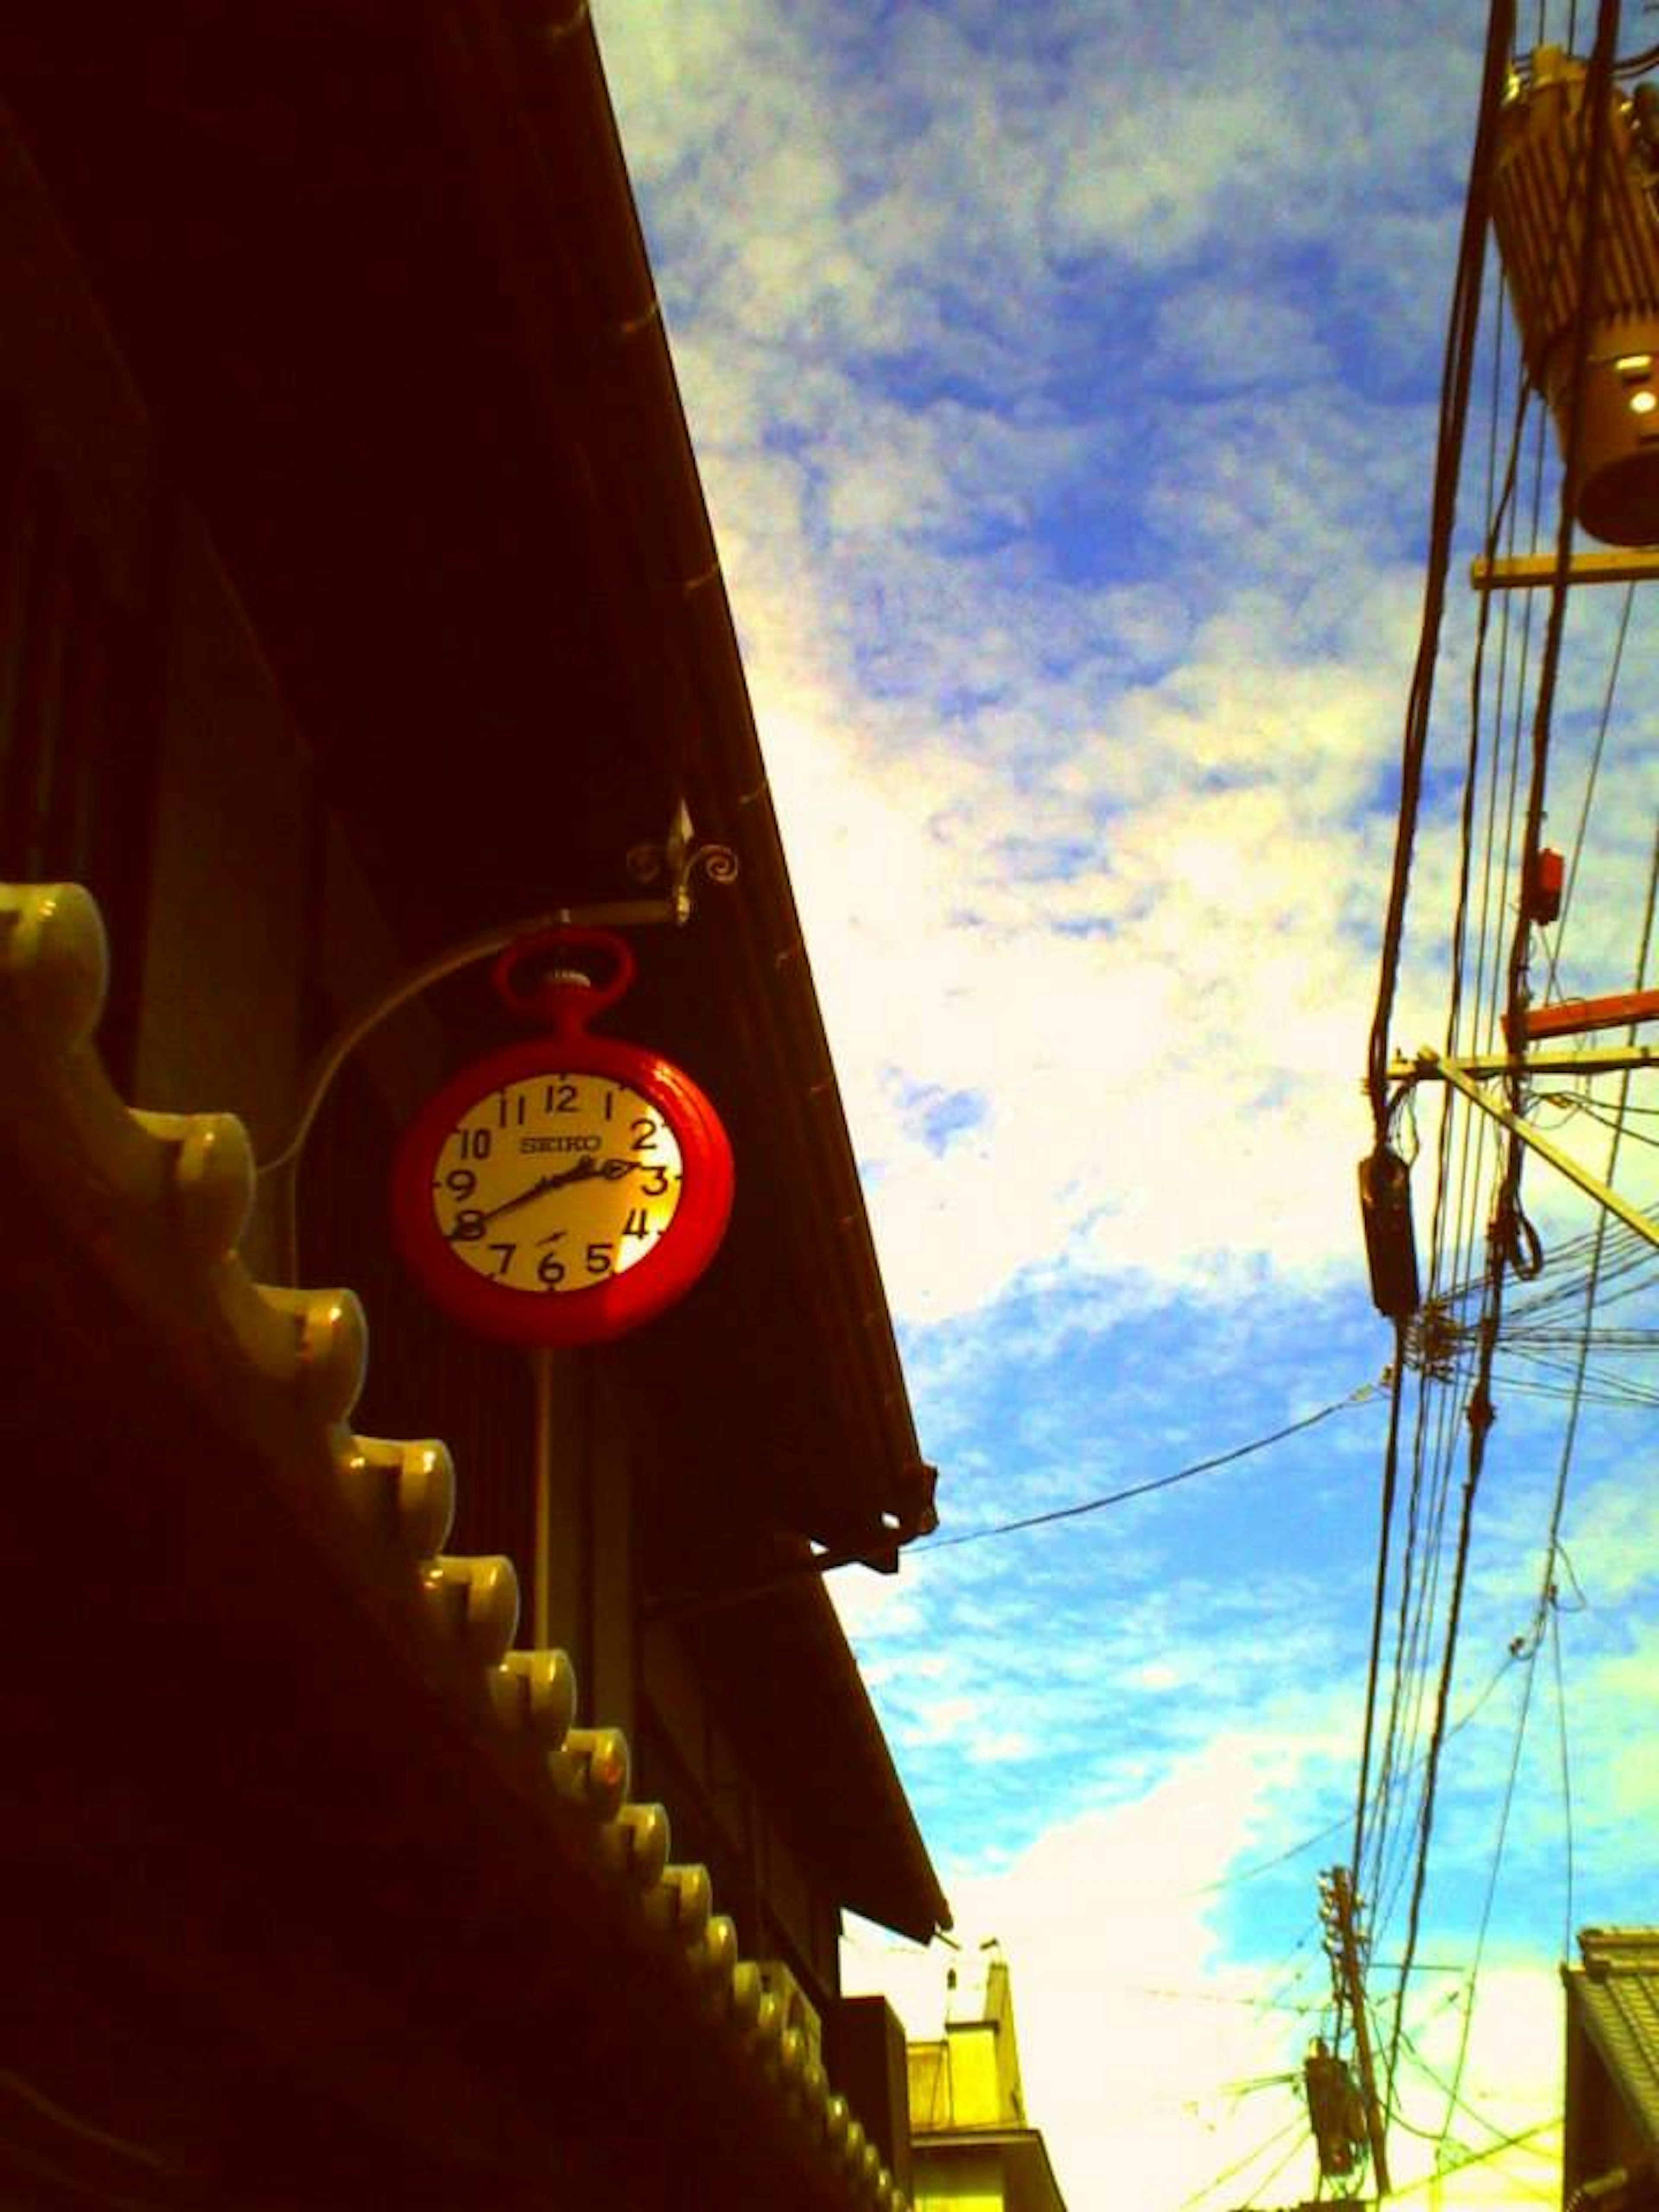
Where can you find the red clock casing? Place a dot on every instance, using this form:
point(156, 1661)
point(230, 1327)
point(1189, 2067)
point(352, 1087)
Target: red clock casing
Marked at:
point(649, 1169)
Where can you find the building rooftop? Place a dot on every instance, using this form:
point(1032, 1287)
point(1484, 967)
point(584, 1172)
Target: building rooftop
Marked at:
point(1612, 2001)
point(969, 2137)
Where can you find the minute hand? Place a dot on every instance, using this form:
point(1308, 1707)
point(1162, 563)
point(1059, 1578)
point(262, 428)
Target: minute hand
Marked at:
point(584, 1171)
point(587, 1170)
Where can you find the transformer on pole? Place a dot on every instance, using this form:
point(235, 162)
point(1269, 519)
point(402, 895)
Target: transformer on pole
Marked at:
point(1544, 200)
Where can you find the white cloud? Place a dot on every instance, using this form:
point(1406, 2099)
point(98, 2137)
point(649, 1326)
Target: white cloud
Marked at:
point(1108, 2060)
point(1137, 2036)
point(1219, 336)
point(1078, 809)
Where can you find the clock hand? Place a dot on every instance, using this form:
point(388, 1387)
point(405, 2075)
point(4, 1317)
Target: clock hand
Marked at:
point(587, 1170)
point(607, 1171)
point(583, 1171)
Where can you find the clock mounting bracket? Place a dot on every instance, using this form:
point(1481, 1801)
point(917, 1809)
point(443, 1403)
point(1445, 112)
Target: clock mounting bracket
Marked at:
point(678, 861)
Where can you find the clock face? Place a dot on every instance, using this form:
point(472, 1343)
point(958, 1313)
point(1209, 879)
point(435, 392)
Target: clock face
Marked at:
point(562, 1191)
point(556, 1182)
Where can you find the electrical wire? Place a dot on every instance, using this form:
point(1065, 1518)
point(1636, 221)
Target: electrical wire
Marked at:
point(1479, 1429)
point(1545, 1602)
point(1451, 1253)
point(1567, 1776)
point(1268, 2179)
point(1597, 104)
point(1359, 1397)
point(1503, 2140)
point(1390, 1478)
point(1582, 826)
point(1517, 2140)
point(1489, 1897)
point(1512, 1245)
point(1455, 375)
point(1296, 2124)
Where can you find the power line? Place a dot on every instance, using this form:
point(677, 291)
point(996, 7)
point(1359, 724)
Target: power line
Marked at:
point(1297, 2125)
point(1511, 1245)
point(1566, 1773)
point(1342, 1821)
point(1390, 1476)
point(1515, 2142)
point(1583, 825)
point(1367, 1390)
point(1503, 1241)
point(1461, 1147)
point(1455, 2087)
point(1454, 413)
point(1544, 1602)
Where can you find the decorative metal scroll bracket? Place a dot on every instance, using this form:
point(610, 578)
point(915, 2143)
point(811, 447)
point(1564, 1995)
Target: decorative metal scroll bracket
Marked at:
point(679, 857)
point(1464, 1075)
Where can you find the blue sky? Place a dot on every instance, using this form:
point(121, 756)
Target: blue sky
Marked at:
point(1064, 381)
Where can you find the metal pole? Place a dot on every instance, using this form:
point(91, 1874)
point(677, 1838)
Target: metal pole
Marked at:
point(1348, 1962)
point(541, 1369)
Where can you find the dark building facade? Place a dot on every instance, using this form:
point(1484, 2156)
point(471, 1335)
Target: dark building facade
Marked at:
point(467, 1819)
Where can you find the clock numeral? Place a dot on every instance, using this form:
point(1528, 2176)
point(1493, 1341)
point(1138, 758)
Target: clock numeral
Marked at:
point(550, 1268)
point(509, 1110)
point(559, 1098)
point(601, 1258)
point(506, 1260)
point(643, 1132)
point(656, 1182)
point(469, 1227)
point(638, 1223)
point(460, 1183)
point(474, 1144)
point(609, 1101)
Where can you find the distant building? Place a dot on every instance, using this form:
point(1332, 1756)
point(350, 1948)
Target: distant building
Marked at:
point(1610, 2156)
point(971, 2147)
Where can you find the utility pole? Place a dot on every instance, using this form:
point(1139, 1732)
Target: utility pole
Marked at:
point(1342, 1945)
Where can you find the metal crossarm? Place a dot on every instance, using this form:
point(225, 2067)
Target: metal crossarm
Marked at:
point(1463, 1077)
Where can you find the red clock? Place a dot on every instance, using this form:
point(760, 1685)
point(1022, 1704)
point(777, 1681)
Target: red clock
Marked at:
point(566, 1189)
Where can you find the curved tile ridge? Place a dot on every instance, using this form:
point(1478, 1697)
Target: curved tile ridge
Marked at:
point(176, 1186)
point(139, 1188)
point(534, 1692)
